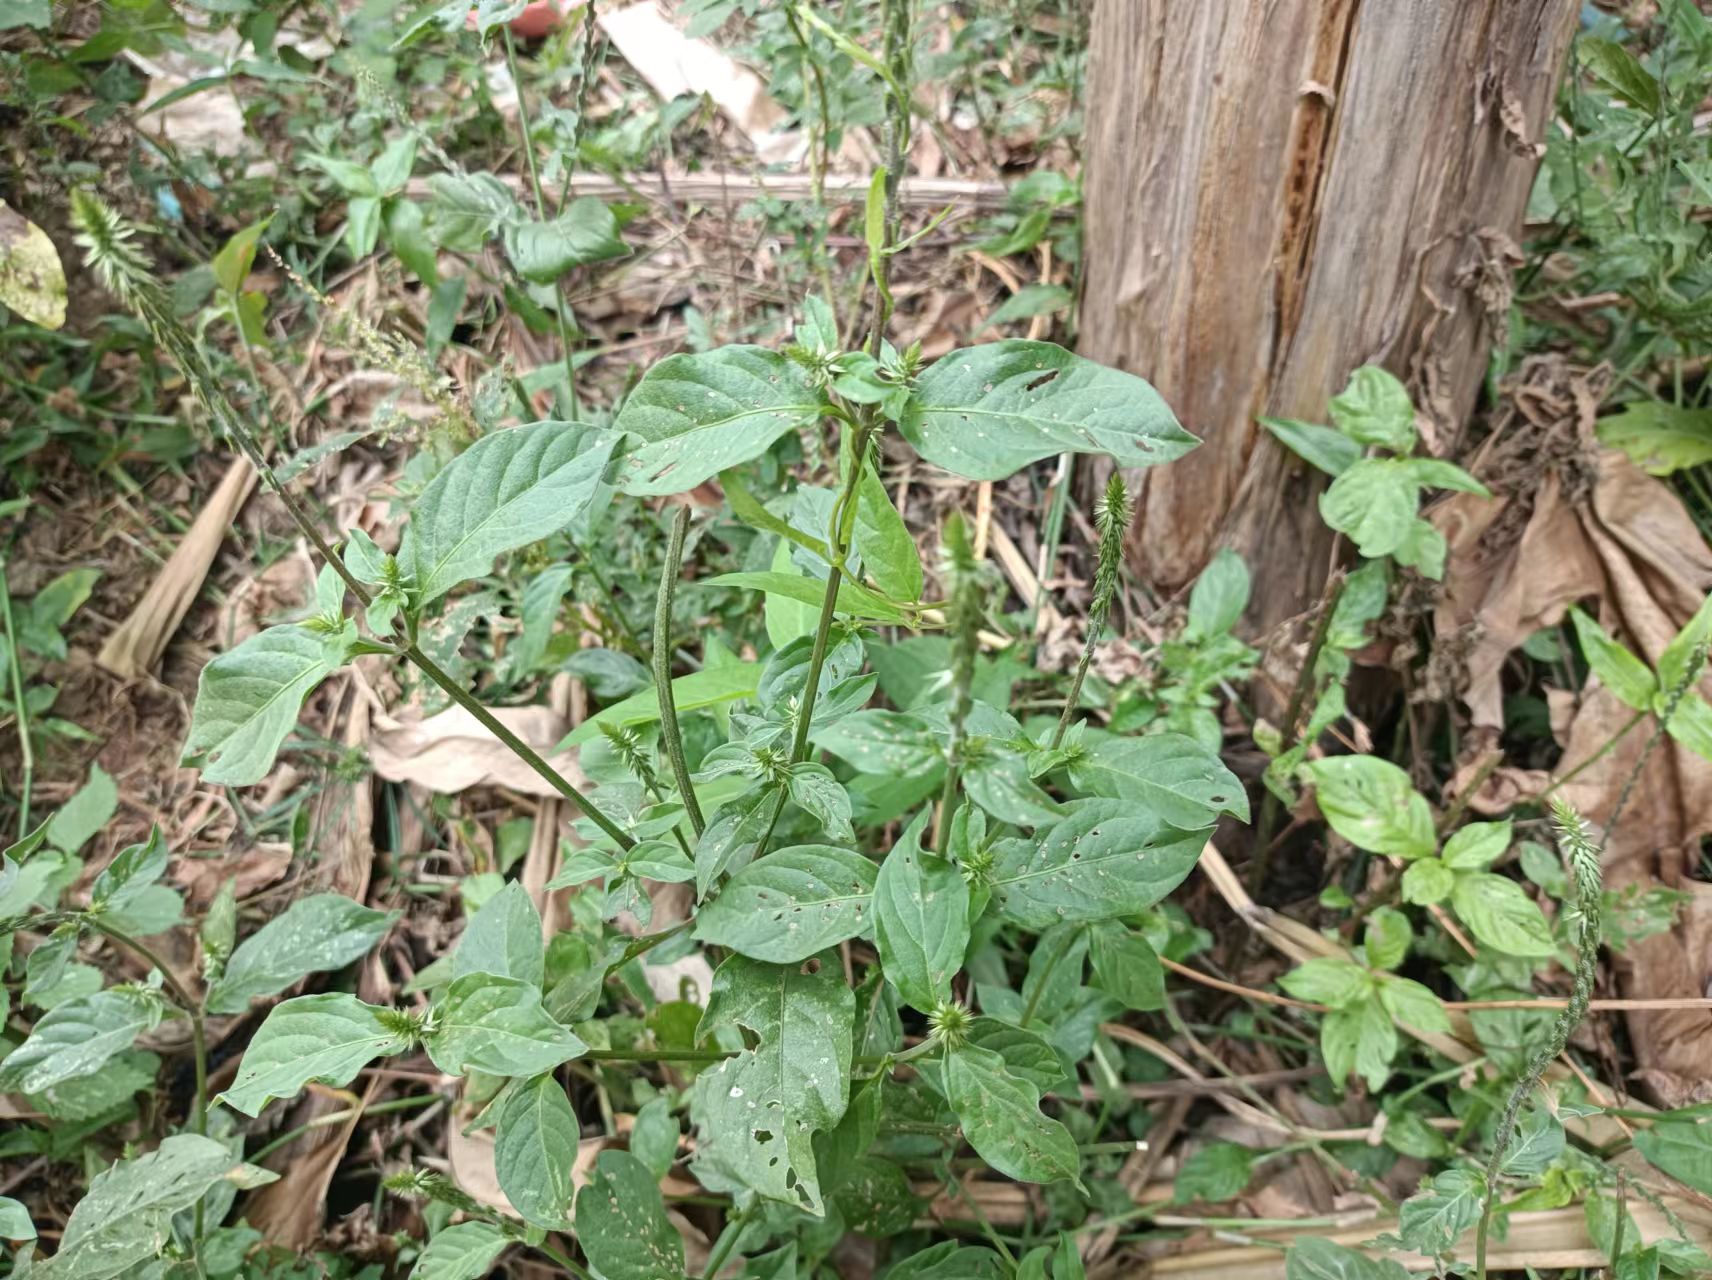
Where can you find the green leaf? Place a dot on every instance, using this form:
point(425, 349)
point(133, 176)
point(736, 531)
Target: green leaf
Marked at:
point(505, 491)
point(1328, 980)
point(1388, 937)
point(26, 13)
point(321, 932)
point(1374, 408)
point(1499, 914)
point(32, 281)
point(985, 412)
point(815, 791)
point(462, 1252)
point(1620, 671)
point(1681, 1148)
point(1431, 1221)
point(1187, 785)
point(749, 509)
point(789, 905)
point(535, 1151)
point(1000, 1115)
point(1126, 967)
point(132, 871)
point(1374, 502)
point(883, 541)
point(694, 692)
point(90, 808)
point(503, 938)
point(15, 1221)
point(1370, 803)
point(887, 743)
point(921, 920)
point(1680, 653)
point(1621, 72)
point(1360, 1038)
point(353, 178)
point(232, 264)
point(77, 1038)
point(1218, 597)
point(853, 598)
point(126, 1217)
point(654, 1138)
point(1413, 1004)
point(326, 1038)
point(1476, 846)
point(700, 413)
point(469, 208)
point(1029, 301)
point(585, 232)
point(757, 1113)
point(622, 1223)
point(98, 1095)
point(1104, 859)
point(1435, 473)
point(1216, 1172)
point(1692, 725)
point(247, 701)
point(496, 1025)
point(1661, 438)
point(1324, 447)
point(1427, 881)
point(1317, 1258)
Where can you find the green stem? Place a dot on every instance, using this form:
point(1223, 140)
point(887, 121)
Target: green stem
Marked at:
point(571, 1268)
point(27, 770)
point(727, 1242)
point(670, 738)
point(1597, 756)
point(191, 1006)
point(657, 1055)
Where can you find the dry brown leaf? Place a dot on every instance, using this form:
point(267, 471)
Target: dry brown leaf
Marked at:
point(289, 1212)
point(452, 752)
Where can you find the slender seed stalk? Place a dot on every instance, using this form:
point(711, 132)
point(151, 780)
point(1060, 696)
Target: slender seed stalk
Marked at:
point(189, 1003)
point(1577, 842)
point(1111, 521)
point(670, 738)
point(26, 752)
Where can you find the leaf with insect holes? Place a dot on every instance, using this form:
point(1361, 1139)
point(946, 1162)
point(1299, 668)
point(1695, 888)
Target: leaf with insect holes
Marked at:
point(326, 1038)
point(126, 1218)
point(496, 1025)
point(789, 905)
point(462, 1252)
point(1498, 913)
point(585, 232)
point(1175, 776)
point(535, 1151)
point(247, 701)
point(697, 414)
point(921, 920)
point(1371, 803)
point(887, 743)
point(505, 491)
point(1618, 670)
point(314, 934)
point(1000, 1116)
point(1104, 859)
point(985, 412)
point(77, 1038)
point(757, 1113)
point(622, 1224)
point(503, 938)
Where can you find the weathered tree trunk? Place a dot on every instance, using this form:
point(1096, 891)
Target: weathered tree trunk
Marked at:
point(1279, 191)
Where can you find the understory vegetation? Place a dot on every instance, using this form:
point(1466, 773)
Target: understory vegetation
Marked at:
point(574, 701)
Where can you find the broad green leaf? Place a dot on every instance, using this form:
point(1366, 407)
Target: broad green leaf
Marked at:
point(15, 1221)
point(694, 692)
point(1413, 1004)
point(1029, 301)
point(757, 1113)
point(155, 909)
point(815, 791)
point(985, 412)
point(1216, 1172)
point(1219, 596)
point(232, 264)
point(1621, 72)
point(1360, 1038)
point(622, 1224)
point(1328, 980)
point(749, 509)
point(1000, 1115)
point(1317, 1258)
point(126, 1217)
point(354, 179)
point(247, 701)
point(883, 541)
point(1126, 967)
point(32, 282)
point(77, 1038)
point(1432, 1220)
point(1187, 785)
point(1374, 502)
point(1682, 1148)
point(1659, 437)
point(88, 810)
point(654, 1137)
point(26, 13)
point(585, 232)
point(1104, 859)
point(535, 1151)
point(1691, 725)
point(1374, 408)
point(789, 905)
point(888, 743)
point(132, 870)
point(326, 1038)
point(1435, 473)
point(1387, 938)
point(1325, 447)
point(949, 1260)
point(462, 1252)
point(1536, 1146)
point(88, 1097)
point(508, 489)
point(921, 920)
point(1476, 846)
point(698, 414)
point(1370, 803)
point(1427, 881)
point(1618, 670)
point(503, 938)
point(853, 598)
point(1679, 654)
point(1499, 914)
point(496, 1025)
point(321, 932)
point(468, 208)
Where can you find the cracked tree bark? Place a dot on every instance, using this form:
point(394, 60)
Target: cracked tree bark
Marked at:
point(1277, 192)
